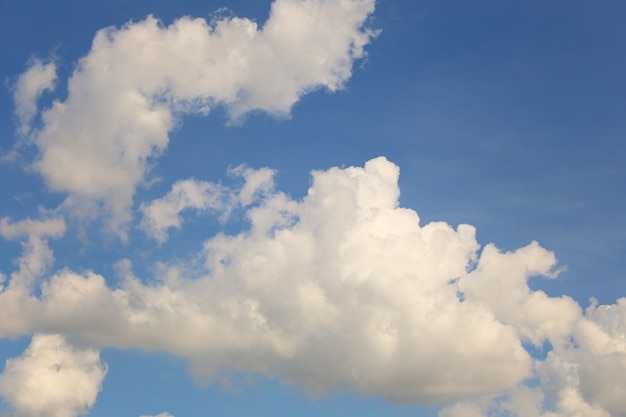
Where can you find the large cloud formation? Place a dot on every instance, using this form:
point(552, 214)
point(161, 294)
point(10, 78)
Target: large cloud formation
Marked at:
point(345, 290)
point(125, 95)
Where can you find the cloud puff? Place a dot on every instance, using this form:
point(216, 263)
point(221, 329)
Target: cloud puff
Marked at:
point(161, 214)
point(343, 290)
point(53, 228)
point(125, 95)
point(536, 316)
point(37, 256)
point(52, 378)
point(37, 79)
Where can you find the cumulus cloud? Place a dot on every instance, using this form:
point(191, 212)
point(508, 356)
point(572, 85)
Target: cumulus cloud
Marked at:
point(125, 95)
point(37, 79)
point(584, 377)
point(164, 213)
point(536, 316)
point(52, 378)
point(342, 290)
point(557, 392)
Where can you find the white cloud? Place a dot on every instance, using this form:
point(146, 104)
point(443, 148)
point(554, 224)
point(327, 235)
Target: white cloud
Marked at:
point(125, 95)
point(345, 290)
point(52, 378)
point(37, 256)
point(256, 183)
point(161, 214)
point(53, 228)
point(37, 79)
point(602, 356)
point(501, 282)
point(342, 290)
point(584, 378)
point(164, 213)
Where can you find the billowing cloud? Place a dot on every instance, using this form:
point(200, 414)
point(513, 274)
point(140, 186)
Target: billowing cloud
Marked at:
point(125, 95)
point(342, 290)
point(536, 316)
point(52, 378)
point(345, 290)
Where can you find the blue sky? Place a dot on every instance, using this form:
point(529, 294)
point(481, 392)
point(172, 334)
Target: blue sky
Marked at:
point(159, 214)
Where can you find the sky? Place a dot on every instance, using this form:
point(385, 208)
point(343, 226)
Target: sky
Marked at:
point(312, 207)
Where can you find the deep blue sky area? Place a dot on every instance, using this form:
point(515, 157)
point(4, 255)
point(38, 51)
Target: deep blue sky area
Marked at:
point(506, 115)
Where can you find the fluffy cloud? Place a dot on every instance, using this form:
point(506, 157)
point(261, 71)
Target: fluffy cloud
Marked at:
point(125, 95)
point(52, 378)
point(536, 316)
point(583, 377)
point(343, 290)
point(558, 393)
point(346, 290)
point(602, 356)
point(164, 213)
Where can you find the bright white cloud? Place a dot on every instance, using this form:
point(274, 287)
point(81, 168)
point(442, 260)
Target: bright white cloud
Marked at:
point(37, 79)
point(536, 316)
point(345, 290)
point(125, 95)
point(602, 356)
point(585, 377)
point(342, 290)
point(164, 213)
point(52, 378)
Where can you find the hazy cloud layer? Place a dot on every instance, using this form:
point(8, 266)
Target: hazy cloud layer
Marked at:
point(126, 93)
point(345, 290)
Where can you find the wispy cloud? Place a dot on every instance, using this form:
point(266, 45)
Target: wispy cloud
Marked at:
point(164, 213)
point(37, 79)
